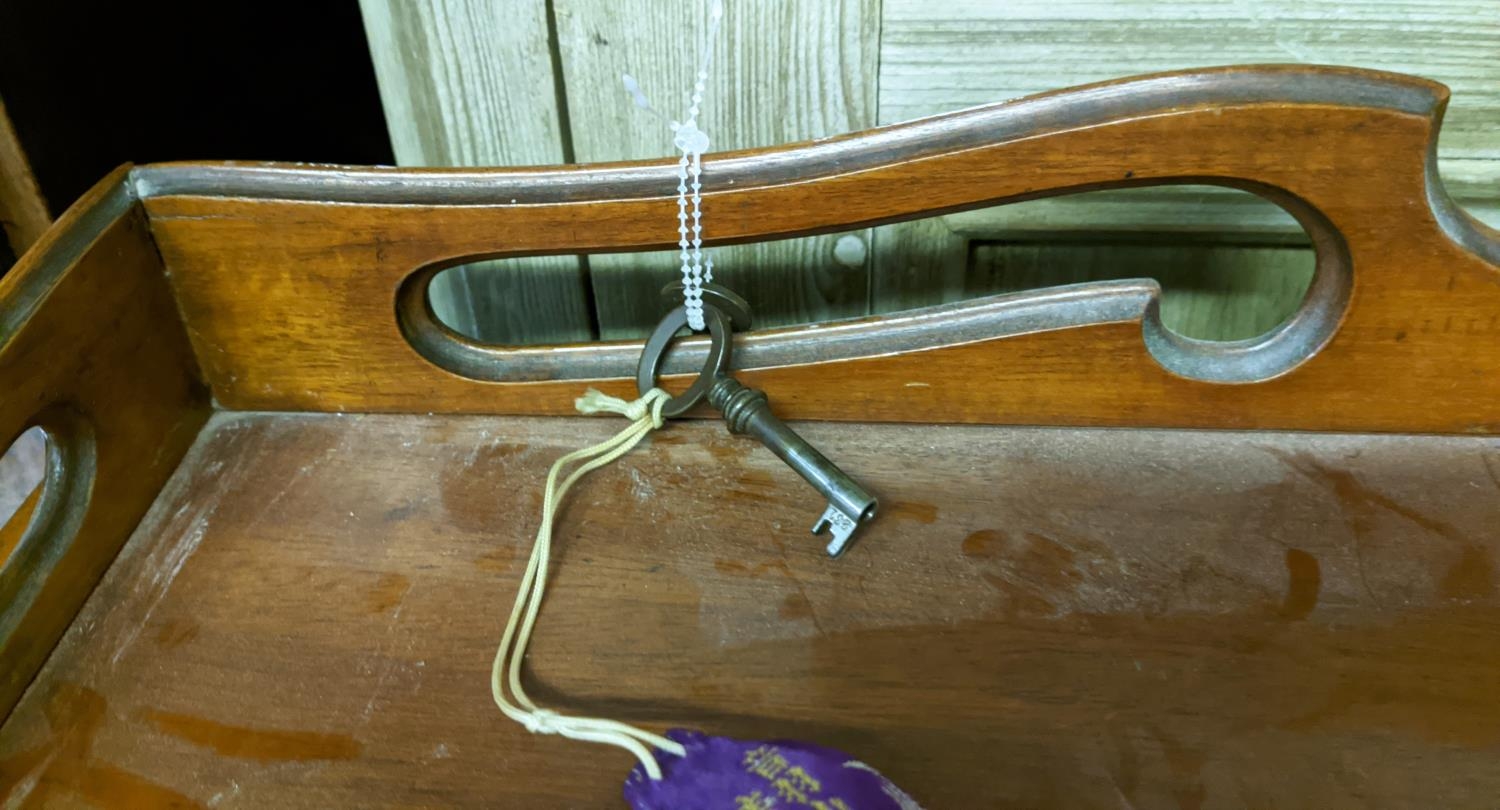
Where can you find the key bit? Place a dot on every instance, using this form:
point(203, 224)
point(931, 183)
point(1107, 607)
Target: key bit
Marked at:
point(748, 411)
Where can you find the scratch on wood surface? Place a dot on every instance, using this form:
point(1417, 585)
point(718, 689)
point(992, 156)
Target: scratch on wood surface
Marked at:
point(180, 538)
point(389, 595)
point(384, 668)
point(1167, 558)
point(218, 798)
point(170, 534)
point(161, 581)
point(64, 764)
point(1358, 503)
point(25, 786)
point(1491, 468)
point(302, 473)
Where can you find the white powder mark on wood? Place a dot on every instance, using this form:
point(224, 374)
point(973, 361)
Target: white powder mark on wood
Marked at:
point(23, 788)
point(181, 535)
point(640, 487)
point(217, 798)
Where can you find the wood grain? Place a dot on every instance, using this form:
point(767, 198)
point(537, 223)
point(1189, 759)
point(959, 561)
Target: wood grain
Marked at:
point(1211, 291)
point(470, 83)
point(91, 349)
point(783, 71)
point(1215, 290)
point(1414, 351)
point(23, 210)
point(918, 264)
point(1041, 618)
point(1179, 214)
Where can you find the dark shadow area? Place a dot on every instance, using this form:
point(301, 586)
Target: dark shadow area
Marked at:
point(92, 85)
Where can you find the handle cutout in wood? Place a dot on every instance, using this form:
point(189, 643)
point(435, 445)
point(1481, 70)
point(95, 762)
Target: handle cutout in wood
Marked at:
point(22, 468)
point(92, 351)
point(31, 547)
point(1400, 311)
point(1262, 356)
point(1232, 266)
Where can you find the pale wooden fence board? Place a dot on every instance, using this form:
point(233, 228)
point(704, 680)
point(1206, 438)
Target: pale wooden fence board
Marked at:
point(784, 70)
point(470, 83)
point(478, 82)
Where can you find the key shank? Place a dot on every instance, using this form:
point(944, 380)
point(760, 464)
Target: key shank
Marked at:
point(747, 411)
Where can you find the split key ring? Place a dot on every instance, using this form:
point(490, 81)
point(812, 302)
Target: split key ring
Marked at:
point(723, 311)
point(721, 337)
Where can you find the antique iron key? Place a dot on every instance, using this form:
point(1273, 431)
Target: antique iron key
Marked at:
point(748, 412)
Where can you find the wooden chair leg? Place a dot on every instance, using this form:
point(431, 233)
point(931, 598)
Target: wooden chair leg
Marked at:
point(23, 210)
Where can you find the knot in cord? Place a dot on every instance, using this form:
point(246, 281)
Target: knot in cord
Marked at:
point(650, 404)
point(540, 721)
point(645, 415)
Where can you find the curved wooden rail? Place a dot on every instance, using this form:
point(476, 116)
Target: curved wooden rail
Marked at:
point(289, 277)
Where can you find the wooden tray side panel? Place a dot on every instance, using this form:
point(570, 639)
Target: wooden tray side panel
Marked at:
point(93, 349)
point(291, 301)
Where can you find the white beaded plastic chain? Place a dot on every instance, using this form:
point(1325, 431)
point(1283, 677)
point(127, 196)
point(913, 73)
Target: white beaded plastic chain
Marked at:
point(692, 141)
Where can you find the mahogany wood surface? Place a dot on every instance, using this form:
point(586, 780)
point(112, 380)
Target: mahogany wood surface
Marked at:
point(289, 300)
point(1041, 618)
point(93, 351)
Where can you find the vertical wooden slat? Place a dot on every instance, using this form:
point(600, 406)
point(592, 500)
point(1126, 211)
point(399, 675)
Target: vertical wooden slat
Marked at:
point(23, 211)
point(471, 83)
point(917, 264)
point(1211, 291)
point(784, 70)
point(941, 56)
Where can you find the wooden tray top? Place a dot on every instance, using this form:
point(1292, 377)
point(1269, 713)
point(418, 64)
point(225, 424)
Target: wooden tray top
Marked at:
point(286, 511)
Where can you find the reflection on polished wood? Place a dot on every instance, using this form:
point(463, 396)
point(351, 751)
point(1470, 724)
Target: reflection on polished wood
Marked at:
point(1041, 618)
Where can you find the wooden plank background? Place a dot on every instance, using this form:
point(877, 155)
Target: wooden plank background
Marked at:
point(470, 83)
point(516, 82)
point(784, 70)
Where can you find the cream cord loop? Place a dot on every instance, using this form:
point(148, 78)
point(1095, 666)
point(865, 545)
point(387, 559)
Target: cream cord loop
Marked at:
point(645, 416)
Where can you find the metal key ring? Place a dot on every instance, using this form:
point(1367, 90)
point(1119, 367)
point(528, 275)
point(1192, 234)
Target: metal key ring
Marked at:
point(721, 298)
point(717, 362)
